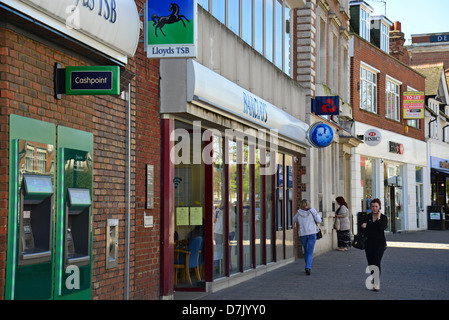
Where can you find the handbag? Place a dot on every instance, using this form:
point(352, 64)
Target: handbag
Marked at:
point(359, 241)
point(319, 235)
point(337, 224)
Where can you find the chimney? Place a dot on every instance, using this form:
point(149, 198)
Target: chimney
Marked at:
point(397, 40)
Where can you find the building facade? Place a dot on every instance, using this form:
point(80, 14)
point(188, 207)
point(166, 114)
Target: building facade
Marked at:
point(391, 164)
point(73, 166)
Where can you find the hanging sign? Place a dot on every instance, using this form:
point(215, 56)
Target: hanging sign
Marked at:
point(413, 105)
point(326, 106)
point(320, 135)
point(372, 137)
point(92, 80)
point(171, 29)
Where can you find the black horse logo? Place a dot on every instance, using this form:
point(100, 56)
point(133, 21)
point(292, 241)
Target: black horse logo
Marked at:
point(174, 16)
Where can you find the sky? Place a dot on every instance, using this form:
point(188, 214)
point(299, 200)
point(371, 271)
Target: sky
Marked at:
point(416, 16)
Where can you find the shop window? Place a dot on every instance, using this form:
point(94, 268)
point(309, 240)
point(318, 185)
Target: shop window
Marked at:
point(258, 219)
point(219, 214)
point(269, 208)
point(367, 172)
point(419, 194)
point(247, 205)
point(234, 252)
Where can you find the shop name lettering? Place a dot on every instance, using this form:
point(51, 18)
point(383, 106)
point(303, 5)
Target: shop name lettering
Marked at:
point(106, 8)
point(395, 147)
point(255, 108)
point(170, 51)
point(444, 164)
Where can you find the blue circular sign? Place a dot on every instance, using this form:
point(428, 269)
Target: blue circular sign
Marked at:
point(320, 135)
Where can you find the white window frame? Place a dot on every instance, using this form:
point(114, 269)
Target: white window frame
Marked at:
point(369, 86)
point(393, 104)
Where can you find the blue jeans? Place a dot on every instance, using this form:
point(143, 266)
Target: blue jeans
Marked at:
point(308, 243)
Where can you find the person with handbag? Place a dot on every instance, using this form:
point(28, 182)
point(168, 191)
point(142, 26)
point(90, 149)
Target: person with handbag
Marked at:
point(374, 225)
point(342, 225)
point(307, 218)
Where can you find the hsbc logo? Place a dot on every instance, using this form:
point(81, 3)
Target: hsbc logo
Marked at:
point(372, 137)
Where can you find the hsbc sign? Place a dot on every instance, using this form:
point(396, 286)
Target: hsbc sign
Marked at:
point(372, 137)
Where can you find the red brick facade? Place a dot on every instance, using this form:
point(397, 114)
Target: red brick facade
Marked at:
point(387, 65)
point(26, 89)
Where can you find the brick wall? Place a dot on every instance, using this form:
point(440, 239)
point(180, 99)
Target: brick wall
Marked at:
point(26, 89)
point(376, 58)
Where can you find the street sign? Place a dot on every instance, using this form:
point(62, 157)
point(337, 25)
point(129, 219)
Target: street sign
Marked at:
point(92, 80)
point(326, 106)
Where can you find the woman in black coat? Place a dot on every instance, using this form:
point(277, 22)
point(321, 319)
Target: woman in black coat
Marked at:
point(375, 224)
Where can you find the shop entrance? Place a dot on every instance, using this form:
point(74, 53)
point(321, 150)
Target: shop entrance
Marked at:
point(189, 194)
point(393, 207)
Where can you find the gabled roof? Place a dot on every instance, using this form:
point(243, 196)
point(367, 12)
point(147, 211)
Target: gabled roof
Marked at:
point(436, 82)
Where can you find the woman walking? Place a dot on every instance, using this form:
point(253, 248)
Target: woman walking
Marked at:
point(375, 224)
point(307, 218)
point(343, 231)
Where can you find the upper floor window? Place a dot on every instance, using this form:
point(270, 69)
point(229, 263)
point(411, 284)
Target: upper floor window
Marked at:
point(393, 102)
point(384, 38)
point(263, 24)
point(364, 24)
point(368, 90)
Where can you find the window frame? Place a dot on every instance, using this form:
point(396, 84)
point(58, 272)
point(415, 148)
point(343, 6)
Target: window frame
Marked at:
point(392, 112)
point(365, 82)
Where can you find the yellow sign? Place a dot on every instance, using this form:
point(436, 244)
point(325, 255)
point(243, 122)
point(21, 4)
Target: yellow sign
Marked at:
point(182, 216)
point(196, 216)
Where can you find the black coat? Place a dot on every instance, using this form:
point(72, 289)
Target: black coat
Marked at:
point(375, 231)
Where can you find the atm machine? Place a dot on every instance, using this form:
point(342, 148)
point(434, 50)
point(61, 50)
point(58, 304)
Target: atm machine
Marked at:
point(74, 229)
point(73, 250)
point(29, 253)
point(35, 219)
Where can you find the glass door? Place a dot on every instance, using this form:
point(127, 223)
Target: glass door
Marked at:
point(189, 183)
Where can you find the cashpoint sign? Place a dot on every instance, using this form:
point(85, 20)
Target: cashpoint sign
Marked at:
point(92, 80)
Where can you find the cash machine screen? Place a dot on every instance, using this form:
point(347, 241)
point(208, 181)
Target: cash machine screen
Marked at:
point(38, 184)
point(79, 197)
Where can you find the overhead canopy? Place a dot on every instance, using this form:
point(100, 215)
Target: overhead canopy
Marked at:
point(109, 26)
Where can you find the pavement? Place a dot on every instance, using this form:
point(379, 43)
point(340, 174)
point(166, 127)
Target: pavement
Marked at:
point(415, 266)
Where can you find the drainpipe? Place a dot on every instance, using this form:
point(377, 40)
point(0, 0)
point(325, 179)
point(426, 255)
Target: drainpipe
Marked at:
point(430, 127)
point(127, 189)
point(444, 133)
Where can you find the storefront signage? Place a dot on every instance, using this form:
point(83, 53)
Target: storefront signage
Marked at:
point(171, 29)
point(435, 216)
point(109, 26)
point(444, 164)
point(440, 38)
point(326, 106)
point(224, 95)
point(372, 137)
point(395, 147)
point(255, 108)
point(320, 135)
point(96, 80)
point(413, 105)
